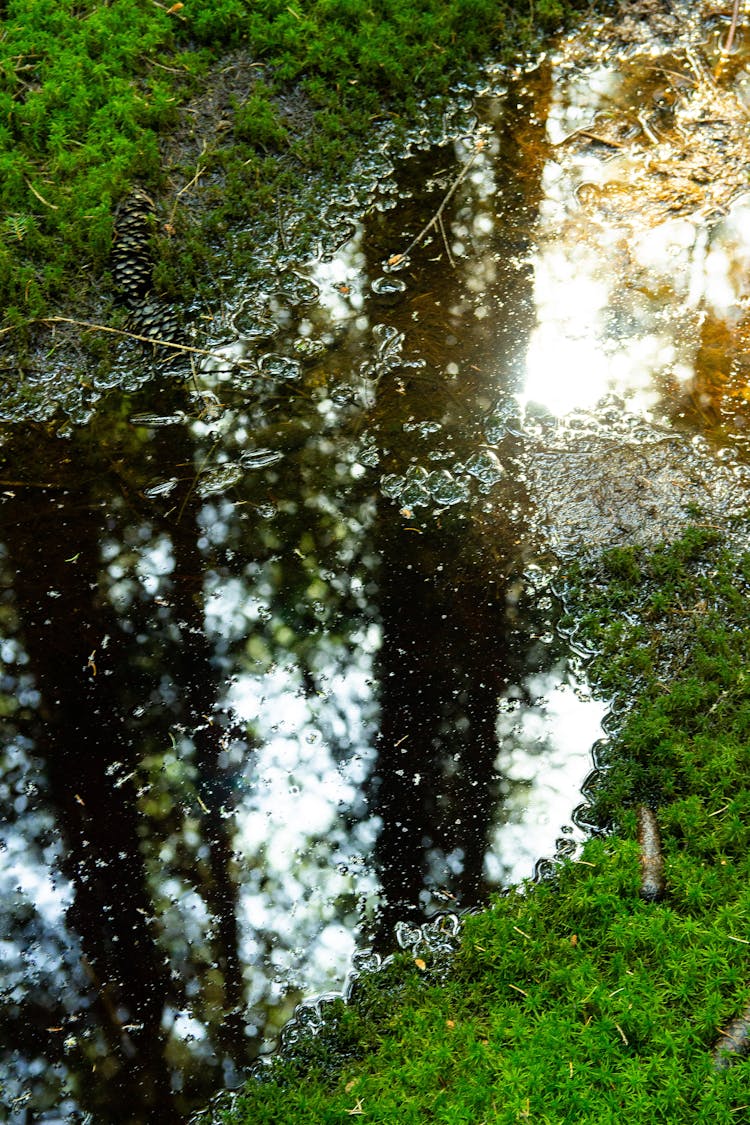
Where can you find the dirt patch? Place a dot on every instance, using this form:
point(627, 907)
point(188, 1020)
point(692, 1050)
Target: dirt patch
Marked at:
point(601, 493)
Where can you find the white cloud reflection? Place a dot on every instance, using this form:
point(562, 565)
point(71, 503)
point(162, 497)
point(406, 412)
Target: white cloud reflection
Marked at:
point(545, 758)
point(290, 822)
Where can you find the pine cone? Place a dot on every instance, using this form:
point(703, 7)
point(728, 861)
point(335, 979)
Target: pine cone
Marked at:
point(131, 261)
point(155, 319)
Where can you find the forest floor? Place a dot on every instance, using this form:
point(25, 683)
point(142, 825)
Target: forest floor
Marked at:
point(579, 998)
point(221, 114)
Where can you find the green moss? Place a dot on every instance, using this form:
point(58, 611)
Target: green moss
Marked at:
point(573, 999)
point(92, 100)
point(256, 120)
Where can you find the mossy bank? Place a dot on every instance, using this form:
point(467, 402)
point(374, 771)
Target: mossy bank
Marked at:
point(575, 999)
point(219, 111)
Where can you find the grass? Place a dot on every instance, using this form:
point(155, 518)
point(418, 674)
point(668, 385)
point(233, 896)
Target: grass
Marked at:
point(255, 97)
point(573, 999)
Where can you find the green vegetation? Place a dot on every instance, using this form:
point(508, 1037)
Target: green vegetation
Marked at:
point(215, 109)
point(573, 999)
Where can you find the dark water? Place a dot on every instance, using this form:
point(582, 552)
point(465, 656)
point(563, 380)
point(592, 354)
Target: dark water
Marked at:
point(280, 665)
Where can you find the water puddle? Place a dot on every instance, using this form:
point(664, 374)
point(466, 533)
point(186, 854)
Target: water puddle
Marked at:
point(280, 659)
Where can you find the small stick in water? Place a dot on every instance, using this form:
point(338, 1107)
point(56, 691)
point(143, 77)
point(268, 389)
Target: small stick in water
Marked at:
point(734, 1042)
point(732, 28)
point(652, 860)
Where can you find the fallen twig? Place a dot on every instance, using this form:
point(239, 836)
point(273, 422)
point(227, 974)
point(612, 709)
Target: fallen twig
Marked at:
point(198, 173)
point(41, 198)
point(444, 234)
point(652, 860)
point(648, 131)
point(726, 48)
point(591, 136)
point(437, 218)
point(733, 1043)
point(155, 340)
point(732, 28)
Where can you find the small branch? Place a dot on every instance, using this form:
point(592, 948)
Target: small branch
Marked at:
point(41, 198)
point(441, 224)
point(517, 989)
point(591, 136)
point(726, 49)
point(703, 76)
point(171, 69)
point(155, 340)
point(437, 218)
point(648, 131)
point(652, 860)
point(196, 478)
point(733, 1043)
point(732, 28)
point(198, 172)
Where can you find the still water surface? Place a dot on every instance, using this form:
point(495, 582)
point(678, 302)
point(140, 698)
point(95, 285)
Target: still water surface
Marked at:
point(280, 658)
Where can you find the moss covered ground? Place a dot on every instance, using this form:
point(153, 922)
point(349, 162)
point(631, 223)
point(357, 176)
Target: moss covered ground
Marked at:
point(219, 110)
point(574, 1000)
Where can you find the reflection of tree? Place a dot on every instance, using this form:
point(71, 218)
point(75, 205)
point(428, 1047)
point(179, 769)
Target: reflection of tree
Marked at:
point(80, 661)
point(98, 668)
point(442, 667)
point(447, 648)
point(138, 766)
